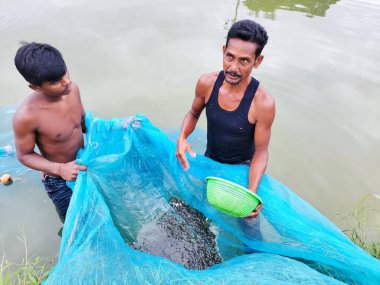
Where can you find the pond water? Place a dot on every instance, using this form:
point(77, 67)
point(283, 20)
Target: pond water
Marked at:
point(321, 65)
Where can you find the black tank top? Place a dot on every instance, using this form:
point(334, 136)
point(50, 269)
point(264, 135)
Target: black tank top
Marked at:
point(230, 136)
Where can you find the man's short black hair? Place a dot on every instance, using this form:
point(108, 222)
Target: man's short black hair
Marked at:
point(248, 30)
point(39, 63)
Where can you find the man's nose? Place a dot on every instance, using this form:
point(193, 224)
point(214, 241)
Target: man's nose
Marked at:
point(234, 65)
point(66, 80)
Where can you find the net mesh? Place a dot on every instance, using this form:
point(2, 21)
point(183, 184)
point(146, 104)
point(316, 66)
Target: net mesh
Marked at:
point(137, 218)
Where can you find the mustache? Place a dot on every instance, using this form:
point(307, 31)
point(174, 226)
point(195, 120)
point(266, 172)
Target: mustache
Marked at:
point(233, 73)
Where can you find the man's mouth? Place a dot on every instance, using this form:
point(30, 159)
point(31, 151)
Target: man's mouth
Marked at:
point(233, 75)
point(67, 90)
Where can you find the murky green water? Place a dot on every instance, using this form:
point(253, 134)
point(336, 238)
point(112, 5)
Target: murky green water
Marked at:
point(321, 65)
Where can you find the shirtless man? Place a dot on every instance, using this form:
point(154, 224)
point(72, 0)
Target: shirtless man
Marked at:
point(52, 118)
point(239, 111)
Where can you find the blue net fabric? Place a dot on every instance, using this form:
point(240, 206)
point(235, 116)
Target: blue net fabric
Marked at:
point(131, 221)
point(136, 218)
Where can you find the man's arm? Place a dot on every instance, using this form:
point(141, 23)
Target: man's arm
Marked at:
point(25, 139)
point(24, 128)
point(190, 121)
point(265, 113)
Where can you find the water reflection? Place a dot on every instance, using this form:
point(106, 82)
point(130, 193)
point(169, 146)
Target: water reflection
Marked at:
point(309, 7)
point(229, 22)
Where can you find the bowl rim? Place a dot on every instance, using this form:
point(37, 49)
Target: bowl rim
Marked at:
point(236, 185)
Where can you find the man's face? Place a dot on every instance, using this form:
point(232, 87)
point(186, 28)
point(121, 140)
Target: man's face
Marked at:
point(239, 59)
point(57, 88)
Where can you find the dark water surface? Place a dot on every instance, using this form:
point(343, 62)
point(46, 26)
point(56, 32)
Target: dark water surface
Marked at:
point(321, 65)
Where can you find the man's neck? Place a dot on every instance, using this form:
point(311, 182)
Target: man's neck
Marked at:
point(237, 88)
point(44, 98)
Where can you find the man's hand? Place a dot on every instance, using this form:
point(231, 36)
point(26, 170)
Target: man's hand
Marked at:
point(134, 121)
point(182, 147)
point(255, 212)
point(69, 171)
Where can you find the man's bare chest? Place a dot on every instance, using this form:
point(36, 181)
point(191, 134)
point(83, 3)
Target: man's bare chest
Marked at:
point(58, 125)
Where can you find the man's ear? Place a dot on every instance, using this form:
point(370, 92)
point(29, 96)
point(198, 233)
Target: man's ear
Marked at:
point(258, 61)
point(34, 87)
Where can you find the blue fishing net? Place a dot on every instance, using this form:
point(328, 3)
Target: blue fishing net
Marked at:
point(137, 218)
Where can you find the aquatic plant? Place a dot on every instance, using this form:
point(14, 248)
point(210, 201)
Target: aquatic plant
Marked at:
point(359, 227)
point(32, 270)
point(5, 276)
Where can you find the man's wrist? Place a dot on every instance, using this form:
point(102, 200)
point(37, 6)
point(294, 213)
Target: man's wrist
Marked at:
point(181, 138)
point(57, 169)
point(253, 189)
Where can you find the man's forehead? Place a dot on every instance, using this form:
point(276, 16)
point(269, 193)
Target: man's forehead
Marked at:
point(238, 45)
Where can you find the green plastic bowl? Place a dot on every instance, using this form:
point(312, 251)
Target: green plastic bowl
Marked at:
point(231, 198)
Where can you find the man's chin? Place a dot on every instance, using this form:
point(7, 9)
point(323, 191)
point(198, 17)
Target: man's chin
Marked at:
point(66, 92)
point(233, 82)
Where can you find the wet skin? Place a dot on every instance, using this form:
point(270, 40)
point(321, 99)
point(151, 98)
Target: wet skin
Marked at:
point(52, 119)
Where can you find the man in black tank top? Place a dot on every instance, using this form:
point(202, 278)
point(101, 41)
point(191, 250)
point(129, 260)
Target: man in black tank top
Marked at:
point(239, 111)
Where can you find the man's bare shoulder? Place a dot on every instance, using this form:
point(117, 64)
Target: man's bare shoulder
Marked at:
point(264, 106)
point(75, 89)
point(208, 79)
point(25, 116)
point(205, 84)
point(263, 99)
